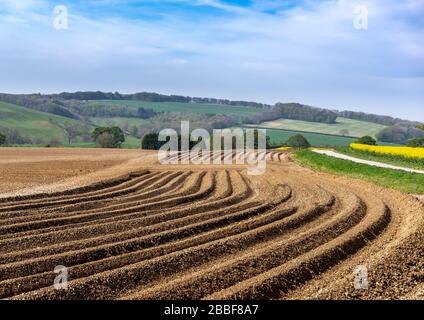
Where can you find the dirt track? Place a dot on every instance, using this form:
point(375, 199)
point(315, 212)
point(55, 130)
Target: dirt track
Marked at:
point(211, 232)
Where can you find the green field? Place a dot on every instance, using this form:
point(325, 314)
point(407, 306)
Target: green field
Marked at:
point(118, 121)
point(394, 179)
point(181, 107)
point(33, 124)
point(279, 137)
point(41, 127)
point(355, 128)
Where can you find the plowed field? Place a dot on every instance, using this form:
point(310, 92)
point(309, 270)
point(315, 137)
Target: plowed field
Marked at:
point(135, 229)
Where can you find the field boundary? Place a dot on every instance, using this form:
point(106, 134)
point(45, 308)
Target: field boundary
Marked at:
point(368, 162)
point(312, 132)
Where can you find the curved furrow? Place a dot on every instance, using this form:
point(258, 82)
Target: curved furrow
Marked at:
point(203, 232)
point(83, 203)
point(217, 276)
point(22, 284)
point(39, 238)
point(281, 279)
point(216, 157)
point(94, 235)
point(138, 239)
point(92, 189)
point(276, 157)
point(194, 255)
point(43, 236)
point(90, 207)
point(194, 194)
point(47, 206)
point(228, 158)
point(281, 155)
point(184, 156)
point(239, 157)
point(33, 282)
point(145, 190)
point(269, 155)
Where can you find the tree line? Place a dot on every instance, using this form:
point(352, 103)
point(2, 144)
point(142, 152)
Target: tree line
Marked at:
point(294, 111)
point(374, 118)
point(399, 134)
point(150, 141)
point(155, 97)
point(107, 111)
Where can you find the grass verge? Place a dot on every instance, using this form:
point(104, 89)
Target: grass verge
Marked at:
point(389, 159)
point(393, 179)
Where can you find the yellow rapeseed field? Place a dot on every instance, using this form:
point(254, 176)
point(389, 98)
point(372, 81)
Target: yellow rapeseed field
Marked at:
point(283, 148)
point(417, 153)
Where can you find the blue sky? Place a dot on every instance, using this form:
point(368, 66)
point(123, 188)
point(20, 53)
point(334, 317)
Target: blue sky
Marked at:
point(306, 51)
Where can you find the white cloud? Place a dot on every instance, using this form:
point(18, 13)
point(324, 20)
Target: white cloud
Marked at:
point(308, 53)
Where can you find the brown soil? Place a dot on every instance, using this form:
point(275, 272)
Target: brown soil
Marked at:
point(140, 230)
point(22, 168)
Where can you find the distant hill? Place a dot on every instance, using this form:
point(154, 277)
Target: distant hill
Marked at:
point(342, 127)
point(154, 97)
point(69, 118)
point(26, 126)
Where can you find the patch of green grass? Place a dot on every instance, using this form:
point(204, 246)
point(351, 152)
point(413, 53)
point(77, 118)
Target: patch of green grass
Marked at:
point(394, 179)
point(279, 137)
point(33, 124)
point(394, 160)
point(354, 128)
point(118, 121)
point(43, 126)
point(129, 143)
point(181, 107)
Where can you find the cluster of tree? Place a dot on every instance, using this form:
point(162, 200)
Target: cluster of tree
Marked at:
point(106, 111)
point(12, 136)
point(2, 139)
point(230, 102)
point(73, 130)
point(173, 121)
point(89, 95)
point(108, 137)
point(294, 111)
point(39, 102)
point(374, 118)
point(416, 143)
point(154, 97)
point(399, 134)
point(298, 141)
point(367, 140)
point(151, 141)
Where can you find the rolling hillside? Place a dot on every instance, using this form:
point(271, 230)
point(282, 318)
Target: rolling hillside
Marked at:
point(279, 136)
point(38, 126)
point(182, 107)
point(354, 128)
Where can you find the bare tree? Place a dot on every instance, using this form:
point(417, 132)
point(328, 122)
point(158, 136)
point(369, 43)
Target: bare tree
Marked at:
point(344, 132)
point(71, 132)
